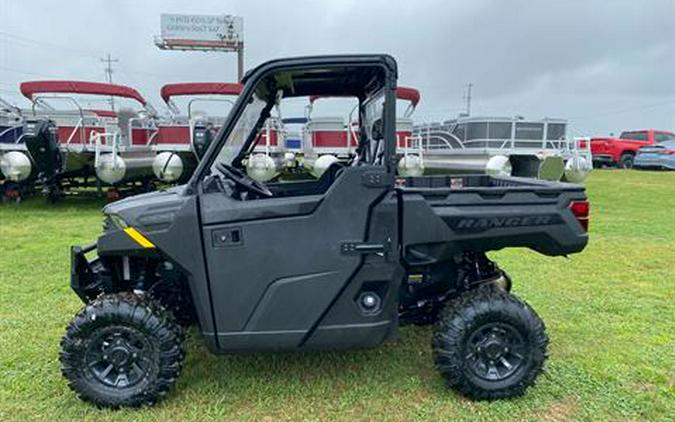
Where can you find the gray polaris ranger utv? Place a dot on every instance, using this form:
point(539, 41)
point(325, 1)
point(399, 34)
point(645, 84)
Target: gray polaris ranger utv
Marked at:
point(334, 263)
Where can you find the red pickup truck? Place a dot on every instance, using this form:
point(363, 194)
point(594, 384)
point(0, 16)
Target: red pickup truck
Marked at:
point(621, 151)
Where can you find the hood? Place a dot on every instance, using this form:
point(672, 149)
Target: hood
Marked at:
point(149, 211)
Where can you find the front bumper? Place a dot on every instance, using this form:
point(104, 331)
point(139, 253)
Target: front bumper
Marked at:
point(655, 163)
point(603, 159)
point(85, 276)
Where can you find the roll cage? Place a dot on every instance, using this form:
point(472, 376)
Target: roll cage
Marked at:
point(360, 76)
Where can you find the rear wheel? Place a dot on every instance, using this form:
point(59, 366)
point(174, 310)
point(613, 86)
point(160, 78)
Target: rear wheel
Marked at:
point(626, 161)
point(489, 344)
point(122, 350)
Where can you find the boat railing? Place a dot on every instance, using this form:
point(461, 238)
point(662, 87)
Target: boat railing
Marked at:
point(438, 139)
point(39, 101)
point(151, 126)
point(152, 137)
point(352, 128)
point(267, 135)
point(78, 125)
point(99, 139)
point(8, 130)
point(411, 145)
point(207, 100)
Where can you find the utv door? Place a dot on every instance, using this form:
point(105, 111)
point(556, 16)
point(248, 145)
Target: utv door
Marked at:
point(315, 271)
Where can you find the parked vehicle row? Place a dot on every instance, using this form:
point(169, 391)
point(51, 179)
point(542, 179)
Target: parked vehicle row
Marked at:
point(625, 151)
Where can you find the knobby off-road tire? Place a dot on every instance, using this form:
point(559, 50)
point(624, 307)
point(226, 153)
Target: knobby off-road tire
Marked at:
point(488, 344)
point(122, 350)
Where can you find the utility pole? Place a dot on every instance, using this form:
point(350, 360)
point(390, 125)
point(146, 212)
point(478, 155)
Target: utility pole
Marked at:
point(240, 61)
point(467, 98)
point(109, 72)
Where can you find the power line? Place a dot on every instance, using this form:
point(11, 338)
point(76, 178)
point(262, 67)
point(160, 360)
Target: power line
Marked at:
point(85, 53)
point(25, 72)
point(82, 53)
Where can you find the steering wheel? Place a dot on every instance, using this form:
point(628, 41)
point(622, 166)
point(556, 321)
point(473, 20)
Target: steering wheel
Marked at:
point(243, 180)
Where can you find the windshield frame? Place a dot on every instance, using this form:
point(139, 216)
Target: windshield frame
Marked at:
point(234, 149)
point(253, 79)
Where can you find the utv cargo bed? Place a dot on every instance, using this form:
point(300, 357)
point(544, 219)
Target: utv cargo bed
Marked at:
point(482, 213)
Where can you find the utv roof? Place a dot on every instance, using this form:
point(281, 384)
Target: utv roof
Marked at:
point(28, 89)
point(337, 75)
point(199, 88)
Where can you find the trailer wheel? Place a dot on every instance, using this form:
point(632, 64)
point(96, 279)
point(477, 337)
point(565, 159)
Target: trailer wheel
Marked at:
point(122, 350)
point(489, 344)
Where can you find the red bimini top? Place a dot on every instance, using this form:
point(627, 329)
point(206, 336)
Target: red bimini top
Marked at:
point(200, 88)
point(28, 89)
point(402, 93)
point(103, 113)
point(410, 94)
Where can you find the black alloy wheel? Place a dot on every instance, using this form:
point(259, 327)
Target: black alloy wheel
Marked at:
point(122, 350)
point(488, 344)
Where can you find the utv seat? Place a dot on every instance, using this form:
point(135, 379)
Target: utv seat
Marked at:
point(305, 188)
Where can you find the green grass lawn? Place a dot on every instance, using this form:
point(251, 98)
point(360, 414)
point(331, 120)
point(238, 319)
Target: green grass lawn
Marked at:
point(610, 313)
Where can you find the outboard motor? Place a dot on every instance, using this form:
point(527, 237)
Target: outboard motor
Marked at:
point(41, 139)
point(203, 133)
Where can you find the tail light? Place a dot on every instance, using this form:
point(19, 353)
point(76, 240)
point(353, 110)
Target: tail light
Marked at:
point(667, 152)
point(581, 210)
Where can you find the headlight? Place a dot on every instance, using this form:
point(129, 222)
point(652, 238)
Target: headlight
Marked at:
point(118, 221)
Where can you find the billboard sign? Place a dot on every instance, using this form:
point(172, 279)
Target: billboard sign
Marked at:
point(223, 29)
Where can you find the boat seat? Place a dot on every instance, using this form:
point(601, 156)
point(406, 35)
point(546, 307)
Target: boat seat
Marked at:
point(124, 115)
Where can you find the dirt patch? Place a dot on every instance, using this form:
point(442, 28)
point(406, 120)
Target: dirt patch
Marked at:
point(643, 387)
point(559, 411)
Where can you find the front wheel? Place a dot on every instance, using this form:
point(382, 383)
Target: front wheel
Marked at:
point(626, 161)
point(122, 350)
point(489, 344)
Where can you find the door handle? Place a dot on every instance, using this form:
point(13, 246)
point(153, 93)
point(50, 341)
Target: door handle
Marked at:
point(357, 248)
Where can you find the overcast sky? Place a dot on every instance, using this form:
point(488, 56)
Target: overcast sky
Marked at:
point(604, 65)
